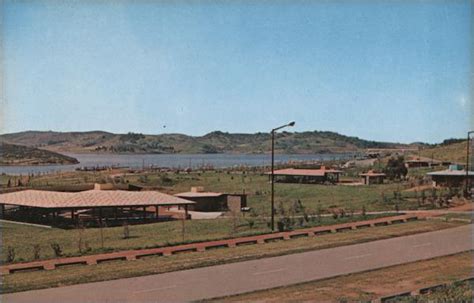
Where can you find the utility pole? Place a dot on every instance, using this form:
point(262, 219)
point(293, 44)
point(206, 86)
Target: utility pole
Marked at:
point(468, 188)
point(273, 170)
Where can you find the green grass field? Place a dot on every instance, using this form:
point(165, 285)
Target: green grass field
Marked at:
point(257, 186)
point(23, 238)
point(153, 265)
point(315, 199)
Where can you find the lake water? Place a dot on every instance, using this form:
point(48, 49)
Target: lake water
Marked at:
point(169, 160)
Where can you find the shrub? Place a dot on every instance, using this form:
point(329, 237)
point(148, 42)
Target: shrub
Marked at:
point(280, 225)
point(36, 251)
point(251, 222)
point(10, 254)
point(305, 216)
point(342, 213)
point(57, 250)
point(319, 211)
point(126, 231)
point(300, 221)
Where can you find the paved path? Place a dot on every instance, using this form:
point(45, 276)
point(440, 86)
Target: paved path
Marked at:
point(248, 276)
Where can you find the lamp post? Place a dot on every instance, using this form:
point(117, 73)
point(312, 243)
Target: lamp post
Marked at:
point(273, 170)
point(467, 162)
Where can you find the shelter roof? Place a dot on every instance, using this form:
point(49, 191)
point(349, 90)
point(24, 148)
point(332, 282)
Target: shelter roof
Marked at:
point(89, 198)
point(306, 172)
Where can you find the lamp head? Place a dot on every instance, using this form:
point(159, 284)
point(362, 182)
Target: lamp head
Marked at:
point(292, 123)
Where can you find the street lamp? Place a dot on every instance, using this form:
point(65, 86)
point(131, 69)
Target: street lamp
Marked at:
point(467, 163)
point(273, 169)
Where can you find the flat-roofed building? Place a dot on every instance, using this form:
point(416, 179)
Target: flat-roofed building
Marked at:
point(454, 176)
point(423, 162)
point(294, 175)
point(214, 201)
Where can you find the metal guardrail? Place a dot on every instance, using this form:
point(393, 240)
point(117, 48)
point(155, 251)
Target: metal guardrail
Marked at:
point(130, 255)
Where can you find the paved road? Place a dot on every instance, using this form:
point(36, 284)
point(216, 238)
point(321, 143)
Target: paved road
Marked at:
point(248, 276)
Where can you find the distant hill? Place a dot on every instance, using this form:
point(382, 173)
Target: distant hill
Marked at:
point(11, 154)
point(453, 150)
point(214, 142)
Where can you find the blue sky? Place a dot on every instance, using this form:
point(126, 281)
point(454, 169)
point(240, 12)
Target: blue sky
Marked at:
point(380, 70)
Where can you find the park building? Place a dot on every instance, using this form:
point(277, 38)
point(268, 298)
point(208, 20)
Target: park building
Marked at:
point(316, 176)
point(454, 176)
point(97, 207)
point(372, 177)
point(206, 201)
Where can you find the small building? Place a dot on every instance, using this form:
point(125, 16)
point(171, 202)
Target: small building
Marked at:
point(372, 177)
point(454, 176)
point(422, 162)
point(206, 201)
point(293, 175)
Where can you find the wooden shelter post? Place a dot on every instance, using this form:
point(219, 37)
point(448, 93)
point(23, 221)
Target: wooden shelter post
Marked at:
point(100, 216)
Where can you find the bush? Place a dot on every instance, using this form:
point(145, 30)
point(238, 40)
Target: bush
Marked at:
point(281, 225)
point(396, 168)
point(36, 251)
point(251, 222)
point(10, 254)
point(57, 250)
point(126, 231)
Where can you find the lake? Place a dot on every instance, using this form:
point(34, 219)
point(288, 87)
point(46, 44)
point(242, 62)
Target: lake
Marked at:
point(169, 160)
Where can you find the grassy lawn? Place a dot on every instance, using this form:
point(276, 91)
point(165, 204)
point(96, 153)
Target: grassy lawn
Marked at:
point(377, 283)
point(255, 184)
point(23, 238)
point(466, 216)
point(154, 265)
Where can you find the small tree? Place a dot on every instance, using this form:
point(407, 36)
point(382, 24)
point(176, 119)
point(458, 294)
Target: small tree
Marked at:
point(395, 168)
point(36, 251)
point(281, 208)
point(252, 218)
point(126, 230)
point(319, 211)
point(57, 250)
point(305, 216)
point(300, 221)
point(342, 213)
point(423, 196)
point(10, 254)
point(364, 212)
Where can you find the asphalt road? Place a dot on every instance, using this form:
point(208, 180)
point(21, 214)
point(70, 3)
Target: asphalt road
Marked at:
point(222, 280)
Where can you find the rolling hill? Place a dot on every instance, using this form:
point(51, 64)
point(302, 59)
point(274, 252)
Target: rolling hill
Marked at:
point(214, 142)
point(454, 152)
point(11, 154)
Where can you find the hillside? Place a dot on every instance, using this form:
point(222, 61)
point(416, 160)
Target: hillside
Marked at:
point(214, 142)
point(22, 155)
point(454, 152)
